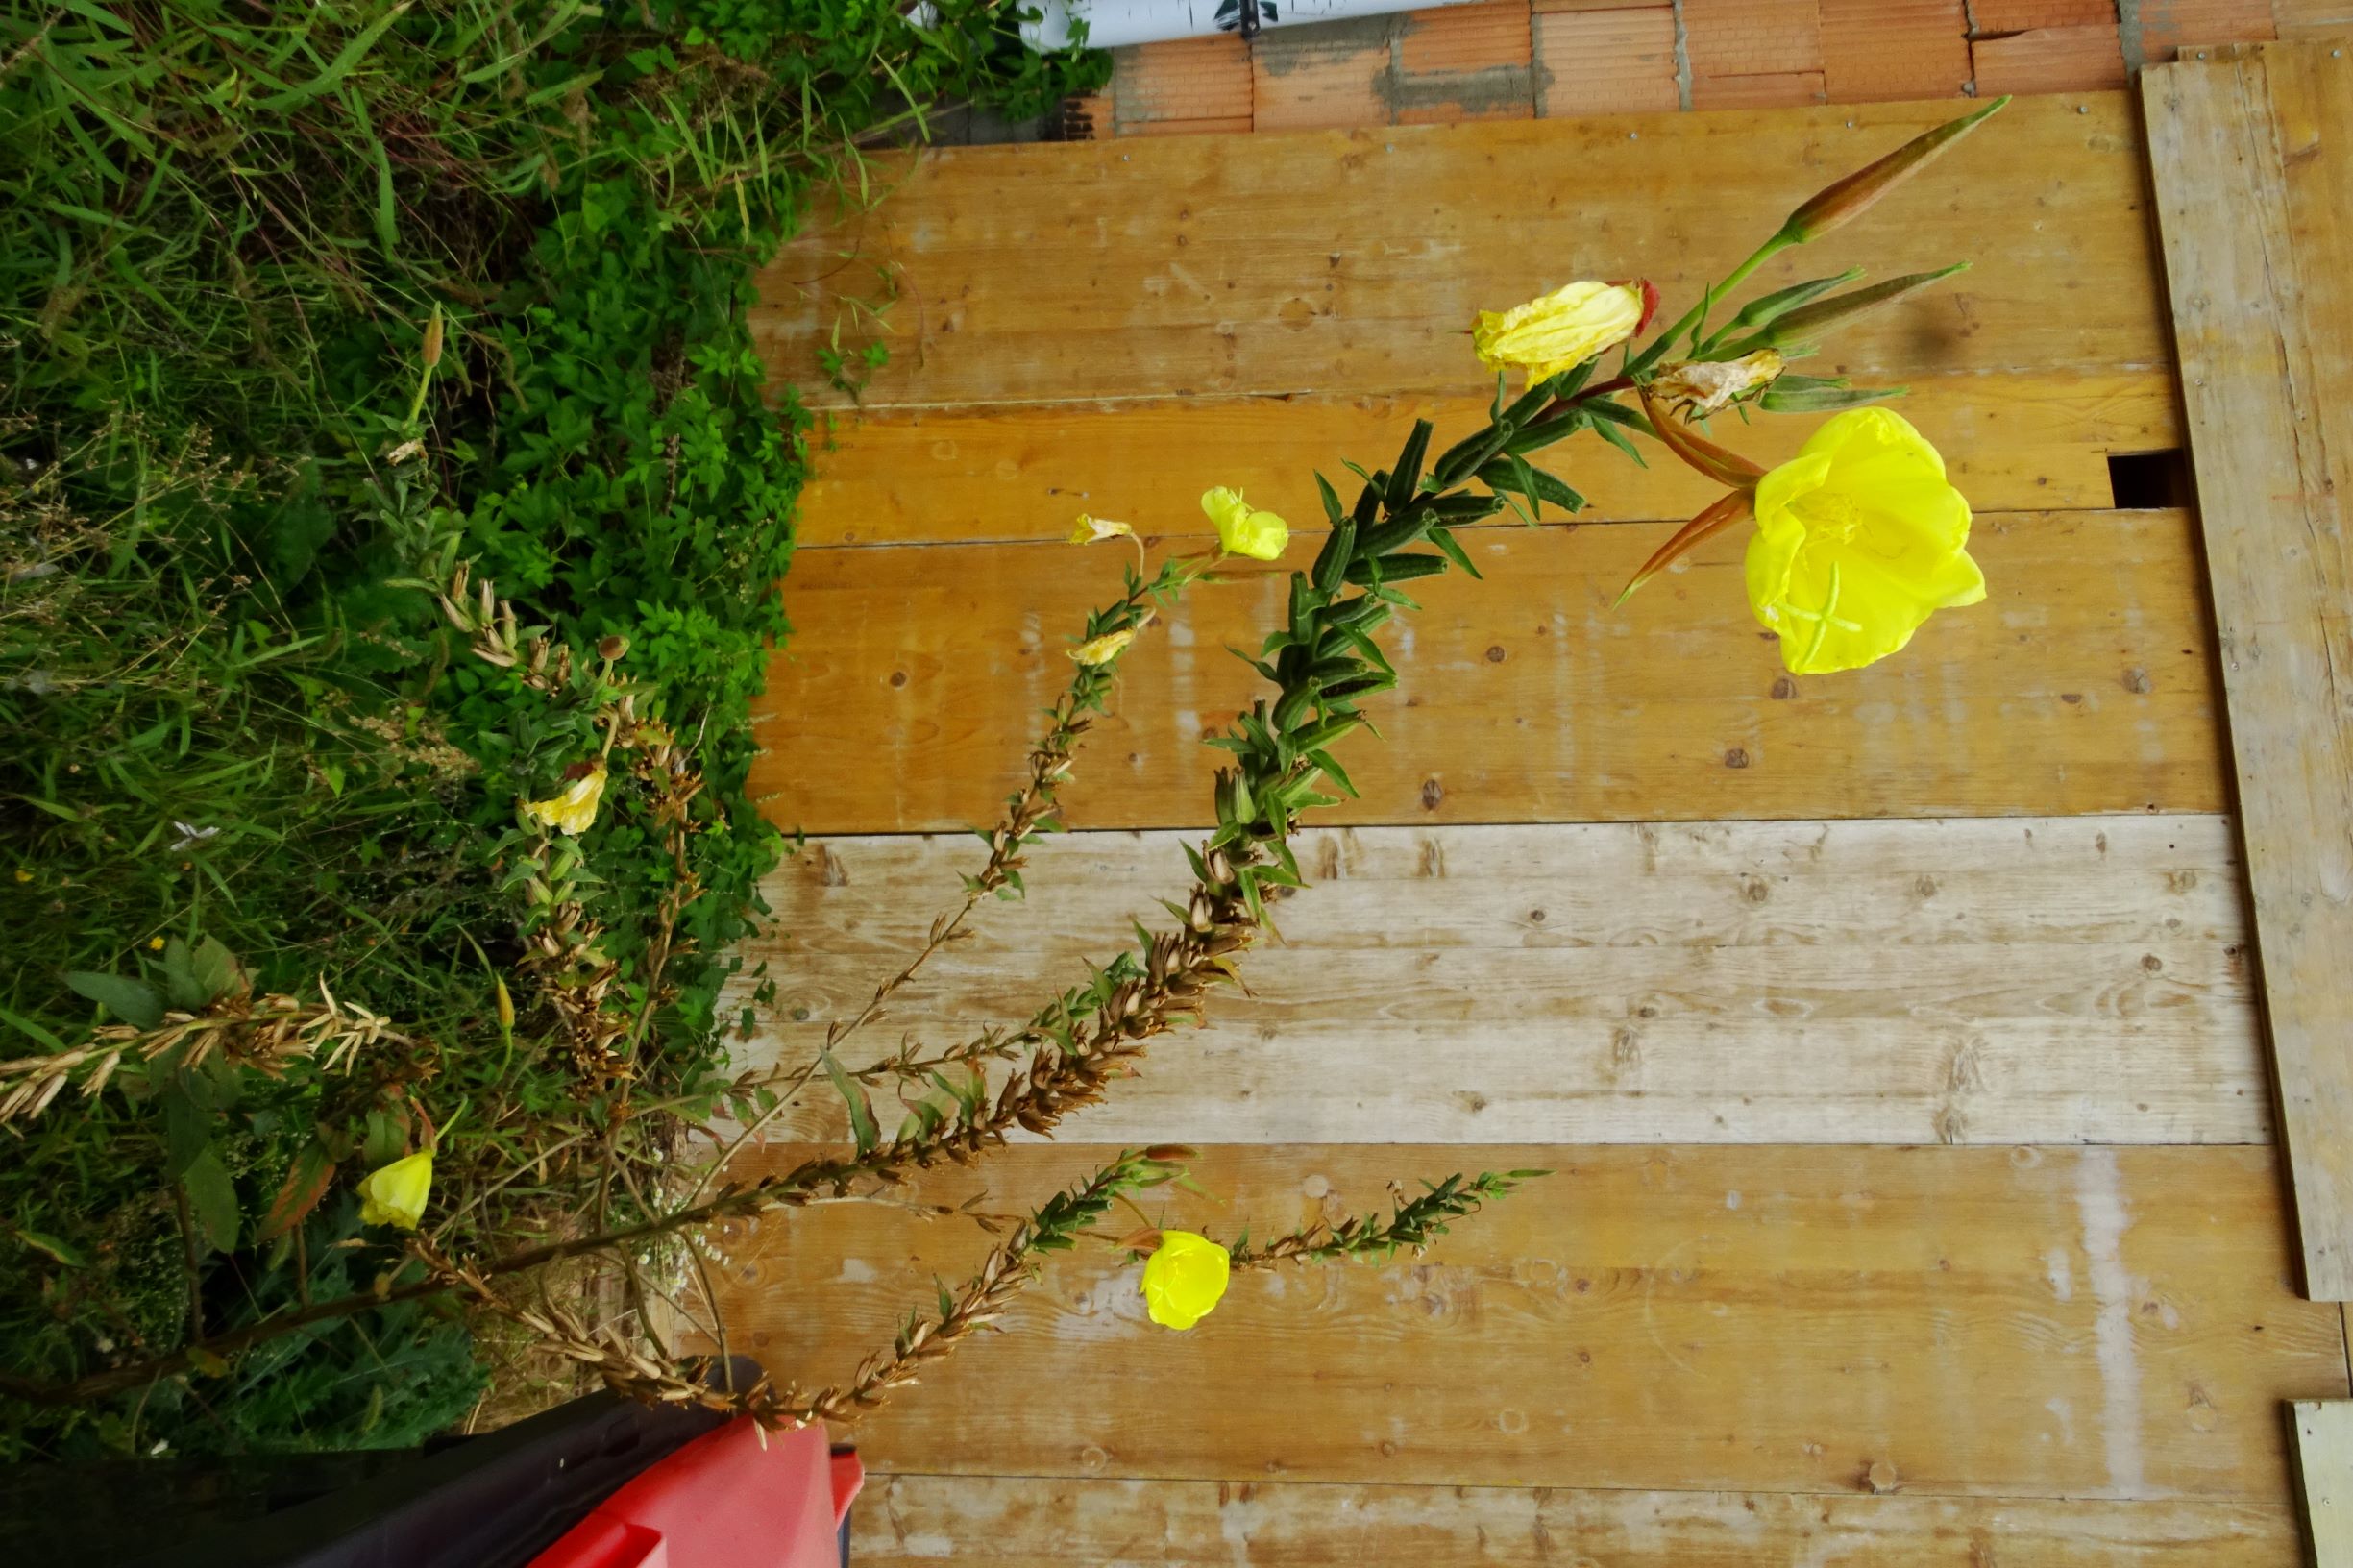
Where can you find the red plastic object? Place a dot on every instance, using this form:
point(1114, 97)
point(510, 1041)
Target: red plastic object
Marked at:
point(724, 1500)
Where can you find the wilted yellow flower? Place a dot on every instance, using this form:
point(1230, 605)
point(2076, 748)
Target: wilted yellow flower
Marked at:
point(395, 1193)
point(1561, 330)
point(1184, 1280)
point(1104, 649)
point(23, 876)
point(1242, 529)
point(1703, 386)
point(1859, 539)
point(1088, 530)
point(574, 809)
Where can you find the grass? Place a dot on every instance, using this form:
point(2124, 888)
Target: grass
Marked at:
point(298, 308)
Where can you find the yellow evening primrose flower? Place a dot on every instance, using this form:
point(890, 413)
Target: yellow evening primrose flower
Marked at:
point(396, 1195)
point(1184, 1280)
point(1088, 530)
point(1561, 330)
point(1242, 529)
point(1104, 649)
point(1859, 539)
point(574, 809)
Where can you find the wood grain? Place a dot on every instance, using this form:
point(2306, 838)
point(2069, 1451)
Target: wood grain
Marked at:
point(1322, 260)
point(2254, 165)
point(2094, 1322)
point(905, 701)
point(2011, 441)
point(2323, 1432)
point(903, 1520)
point(1978, 981)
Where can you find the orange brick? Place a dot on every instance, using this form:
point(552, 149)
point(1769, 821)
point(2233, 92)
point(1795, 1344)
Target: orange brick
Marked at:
point(1751, 38)
point(2167, 25)
point(1183, 79)
point(2050, 59)
point(1465, 63)
point(1780, 89)
point(1880, 50)
point(1316, 78)
point(2312, 19)
point(1617, 61)
point(2022, 16)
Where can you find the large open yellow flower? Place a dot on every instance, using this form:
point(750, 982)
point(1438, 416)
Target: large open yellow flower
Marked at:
point(1859, 539)
point(1184, 1279)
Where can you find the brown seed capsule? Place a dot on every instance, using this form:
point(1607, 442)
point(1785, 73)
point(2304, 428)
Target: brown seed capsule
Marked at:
point(612, 649)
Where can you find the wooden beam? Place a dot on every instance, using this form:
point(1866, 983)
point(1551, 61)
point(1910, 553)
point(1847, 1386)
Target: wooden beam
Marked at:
point(1354, 261)
point(2012, 441)
point(910, 691)
point(2323, 1432)
point(2254, 167)
point(1942, 1322)
point(1983, 981)
point(904, 1520)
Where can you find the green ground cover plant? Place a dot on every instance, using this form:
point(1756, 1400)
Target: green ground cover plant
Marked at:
point(301, 308)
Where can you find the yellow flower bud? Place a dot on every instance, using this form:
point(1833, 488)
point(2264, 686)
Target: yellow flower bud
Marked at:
point(573, 810)
point(396, 1195)
point(1104, 649)
point(1185, 1278)
point(1242, 529)
point(1563, 329)
point(1859, 539)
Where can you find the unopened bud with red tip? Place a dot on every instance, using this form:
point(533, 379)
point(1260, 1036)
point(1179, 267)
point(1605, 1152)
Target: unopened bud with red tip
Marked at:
point(1847, 198)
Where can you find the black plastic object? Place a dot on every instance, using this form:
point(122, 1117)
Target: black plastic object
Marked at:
point(496, 1501)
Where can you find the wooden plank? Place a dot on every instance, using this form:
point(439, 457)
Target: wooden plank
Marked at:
point(2254, 165)
point(2323, 1432)
point(1194, 265)
point(902, 1520)
point(906, 699)
point(2032, 1322)
point(1978, 981)
point(2012, 443)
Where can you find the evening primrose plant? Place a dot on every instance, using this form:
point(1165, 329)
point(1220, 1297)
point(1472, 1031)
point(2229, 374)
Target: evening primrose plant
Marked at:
point(1859, 539)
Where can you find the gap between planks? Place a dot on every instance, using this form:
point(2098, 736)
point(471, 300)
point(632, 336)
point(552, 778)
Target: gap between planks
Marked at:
point(2077, 979)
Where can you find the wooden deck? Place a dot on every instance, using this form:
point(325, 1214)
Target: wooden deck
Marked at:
point(1895, 1038)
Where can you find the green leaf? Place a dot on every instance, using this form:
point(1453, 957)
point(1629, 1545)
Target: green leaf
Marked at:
point(187, 1129)
point(214, 970)
point(862, 1124)
point(42, 1242)
point(180, 982)
point(1618, 438)
point(1823, 400)
point(1456, 554)
point(385, 1140)
point(213, 1197)
point(133, 1001)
